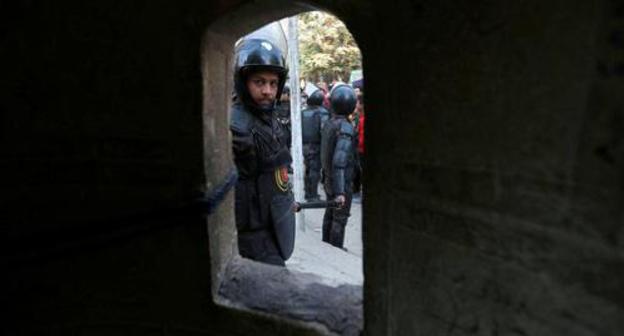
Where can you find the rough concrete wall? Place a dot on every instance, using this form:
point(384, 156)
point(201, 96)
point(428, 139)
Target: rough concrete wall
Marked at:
point(101, 141)
point(101, 104)
point(500, 211)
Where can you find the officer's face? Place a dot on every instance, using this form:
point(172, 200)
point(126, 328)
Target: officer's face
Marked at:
point(262, 87)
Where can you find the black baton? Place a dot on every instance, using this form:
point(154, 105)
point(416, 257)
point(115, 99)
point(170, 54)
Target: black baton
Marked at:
point(315, 205)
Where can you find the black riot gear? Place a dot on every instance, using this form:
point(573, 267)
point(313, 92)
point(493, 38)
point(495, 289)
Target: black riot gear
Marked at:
point(283, 116)
point(253, 55)
point(263, 196)
point(316, 98)
point(338, 154)
point(342, 99)
point(282, 113)
point(265, 219)
point(338, 162)
point(311, 124)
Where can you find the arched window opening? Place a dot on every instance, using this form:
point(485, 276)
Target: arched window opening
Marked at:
point(321, 284)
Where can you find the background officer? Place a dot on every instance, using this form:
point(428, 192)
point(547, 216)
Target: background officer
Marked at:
point(312, 120)
point(338, 160)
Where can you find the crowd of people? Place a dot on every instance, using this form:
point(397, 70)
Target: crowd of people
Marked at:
point(315, 112)
point(333, 149)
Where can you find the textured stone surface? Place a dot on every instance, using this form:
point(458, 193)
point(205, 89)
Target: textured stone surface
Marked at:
point(295, 295)
point(506, 172)
point(494, 171)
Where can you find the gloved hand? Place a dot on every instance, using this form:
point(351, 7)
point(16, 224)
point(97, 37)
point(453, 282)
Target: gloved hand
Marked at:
point(340, 200)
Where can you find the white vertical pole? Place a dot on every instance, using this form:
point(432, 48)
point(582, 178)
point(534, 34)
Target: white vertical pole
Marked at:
point(295, 115)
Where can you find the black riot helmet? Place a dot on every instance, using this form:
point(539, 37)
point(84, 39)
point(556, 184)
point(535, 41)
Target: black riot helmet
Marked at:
point(254, 55)
point(316, 98)
point(342, 99)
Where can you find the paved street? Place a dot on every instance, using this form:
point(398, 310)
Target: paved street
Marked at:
point(333, 265)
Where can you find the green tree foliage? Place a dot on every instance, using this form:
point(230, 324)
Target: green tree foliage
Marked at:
point(326, 48)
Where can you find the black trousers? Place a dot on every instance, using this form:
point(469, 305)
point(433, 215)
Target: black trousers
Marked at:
point(312, 161)
point(335, 221)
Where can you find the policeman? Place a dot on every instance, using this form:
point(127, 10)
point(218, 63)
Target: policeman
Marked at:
point(338, 160)
point(263, 198)
point(283, 115)
point(312, 120)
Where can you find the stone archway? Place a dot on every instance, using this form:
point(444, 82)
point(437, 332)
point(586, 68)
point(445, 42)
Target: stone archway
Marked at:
point(238, 282)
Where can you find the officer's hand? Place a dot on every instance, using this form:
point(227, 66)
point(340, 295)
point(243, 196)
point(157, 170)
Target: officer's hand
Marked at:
point(296, 207)
point(340, 201)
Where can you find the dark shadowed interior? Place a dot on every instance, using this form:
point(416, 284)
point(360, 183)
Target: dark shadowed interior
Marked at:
point(494, 171)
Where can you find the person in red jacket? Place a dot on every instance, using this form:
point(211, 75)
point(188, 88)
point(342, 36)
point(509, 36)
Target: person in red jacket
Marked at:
point(359, 113)
point(360, 109)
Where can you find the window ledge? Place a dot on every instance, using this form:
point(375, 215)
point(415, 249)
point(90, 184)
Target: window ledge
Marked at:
point(293, 295)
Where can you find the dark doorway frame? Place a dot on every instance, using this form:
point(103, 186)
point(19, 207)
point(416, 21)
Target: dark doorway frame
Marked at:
point(239, 283)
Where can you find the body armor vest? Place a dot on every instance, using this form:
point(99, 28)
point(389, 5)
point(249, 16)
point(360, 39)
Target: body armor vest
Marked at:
point(338, 155)
point(263, 193)
point(311, 125)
